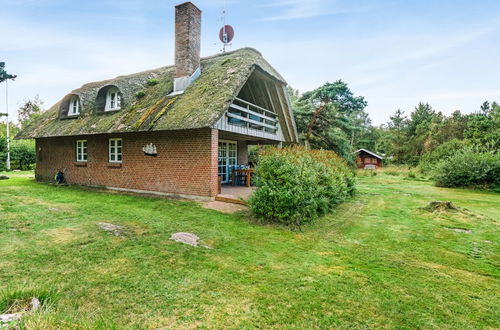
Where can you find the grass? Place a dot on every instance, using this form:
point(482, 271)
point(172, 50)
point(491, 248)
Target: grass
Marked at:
point(378, 261)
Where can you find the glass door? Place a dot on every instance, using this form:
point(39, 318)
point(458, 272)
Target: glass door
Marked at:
point(228, 159)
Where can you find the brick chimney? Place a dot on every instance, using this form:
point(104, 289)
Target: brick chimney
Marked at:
point(187, 45)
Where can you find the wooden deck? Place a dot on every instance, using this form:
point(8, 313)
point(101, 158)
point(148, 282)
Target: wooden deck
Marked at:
point(235, 194)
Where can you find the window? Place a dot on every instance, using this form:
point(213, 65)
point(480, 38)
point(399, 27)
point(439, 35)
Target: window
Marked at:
point(113, 99)
point(115, 150)
point(74, 106)
point(81, 150)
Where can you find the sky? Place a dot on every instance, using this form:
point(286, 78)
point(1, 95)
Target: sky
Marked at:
point(395, 53)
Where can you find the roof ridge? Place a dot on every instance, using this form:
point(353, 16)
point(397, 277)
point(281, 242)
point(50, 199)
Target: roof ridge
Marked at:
point(104, 81)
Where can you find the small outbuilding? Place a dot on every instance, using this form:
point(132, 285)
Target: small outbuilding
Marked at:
point(368, 160)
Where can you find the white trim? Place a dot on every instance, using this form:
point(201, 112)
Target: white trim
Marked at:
point(74, 108)
point(228, 170)
point(369, 152)
point(83, 151)
point(113, 104)
point(115, 153)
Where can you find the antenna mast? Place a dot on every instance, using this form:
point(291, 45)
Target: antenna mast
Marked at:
point(226, 33)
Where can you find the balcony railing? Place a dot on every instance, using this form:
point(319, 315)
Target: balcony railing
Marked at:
point(245, 114)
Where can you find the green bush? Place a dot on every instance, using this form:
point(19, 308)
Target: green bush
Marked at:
point(140, 94)
point(153, 82)
point(469, 168)
point(442, 152)
point(296, 186)
point(22, 156)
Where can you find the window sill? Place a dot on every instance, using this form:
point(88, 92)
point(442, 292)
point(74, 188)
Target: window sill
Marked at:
point(114, 165)
point(81, 164)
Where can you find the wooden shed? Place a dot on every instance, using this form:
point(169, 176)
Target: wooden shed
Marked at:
point(368, 160)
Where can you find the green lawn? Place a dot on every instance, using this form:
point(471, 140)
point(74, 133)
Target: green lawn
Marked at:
point(378, 261)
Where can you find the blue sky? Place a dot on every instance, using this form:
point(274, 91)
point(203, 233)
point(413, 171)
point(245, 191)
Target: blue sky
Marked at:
point(394, 53)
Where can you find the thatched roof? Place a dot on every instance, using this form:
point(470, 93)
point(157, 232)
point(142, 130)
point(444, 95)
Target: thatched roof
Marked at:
point(201, 105)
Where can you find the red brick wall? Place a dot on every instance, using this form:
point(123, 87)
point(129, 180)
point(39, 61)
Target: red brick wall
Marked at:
point(186, 162)
point(187, 39)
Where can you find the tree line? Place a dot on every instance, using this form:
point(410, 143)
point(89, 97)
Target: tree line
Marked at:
point(23, 156)
point(332, 117)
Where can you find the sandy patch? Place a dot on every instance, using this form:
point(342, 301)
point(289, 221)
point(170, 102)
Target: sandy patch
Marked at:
point(224, 207)
point(63, 235)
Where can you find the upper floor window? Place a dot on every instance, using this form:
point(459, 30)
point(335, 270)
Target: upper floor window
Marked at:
point(74, 106)
point(113, 99)
point(81, 150)
point(115, 150)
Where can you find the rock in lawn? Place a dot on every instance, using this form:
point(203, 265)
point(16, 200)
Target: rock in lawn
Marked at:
point(9, 318)
point(4, 177)
point(21, 308)
point(112, 229)
point(461, 230)
point(188, 238)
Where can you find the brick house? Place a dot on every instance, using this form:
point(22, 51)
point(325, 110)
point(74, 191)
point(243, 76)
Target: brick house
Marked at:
point(368, 160)
point(171, 131)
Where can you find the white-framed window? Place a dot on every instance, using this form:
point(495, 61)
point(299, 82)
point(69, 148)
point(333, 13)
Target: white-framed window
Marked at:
point(81, 150)
point(115, 150)
point(113, 99)
point(74, 106)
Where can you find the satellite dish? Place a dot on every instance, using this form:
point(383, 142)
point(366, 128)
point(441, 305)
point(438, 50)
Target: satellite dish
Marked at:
point(226, 34)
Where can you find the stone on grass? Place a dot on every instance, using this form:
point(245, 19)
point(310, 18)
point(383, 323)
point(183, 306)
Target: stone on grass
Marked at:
point(4, 177)
point(35, 304)
point(20, 308)
point(461, 230)
point(112, 229)
point(8, 318)
point(187, 238)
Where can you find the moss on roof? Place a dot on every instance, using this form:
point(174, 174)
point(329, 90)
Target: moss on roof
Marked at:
point(201, 105)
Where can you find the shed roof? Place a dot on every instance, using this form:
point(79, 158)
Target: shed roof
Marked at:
point(201, 105)
point(370, 152)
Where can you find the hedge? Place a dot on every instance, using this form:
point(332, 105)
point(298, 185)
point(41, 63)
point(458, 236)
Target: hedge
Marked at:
point(296, 186)
point(469, 168)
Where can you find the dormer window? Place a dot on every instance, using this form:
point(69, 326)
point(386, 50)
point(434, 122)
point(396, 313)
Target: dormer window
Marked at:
point(113, 99)
point(74, 106)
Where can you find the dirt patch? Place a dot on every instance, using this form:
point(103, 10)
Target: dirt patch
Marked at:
point(62, 235)
point(440, 206)
point(228, 208)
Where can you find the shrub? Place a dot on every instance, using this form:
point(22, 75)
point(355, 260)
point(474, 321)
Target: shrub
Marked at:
point(296, 186)
point(469, 168)
point(22, 156)
point(444, 151)
point(153, 82)
point(140, 94)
